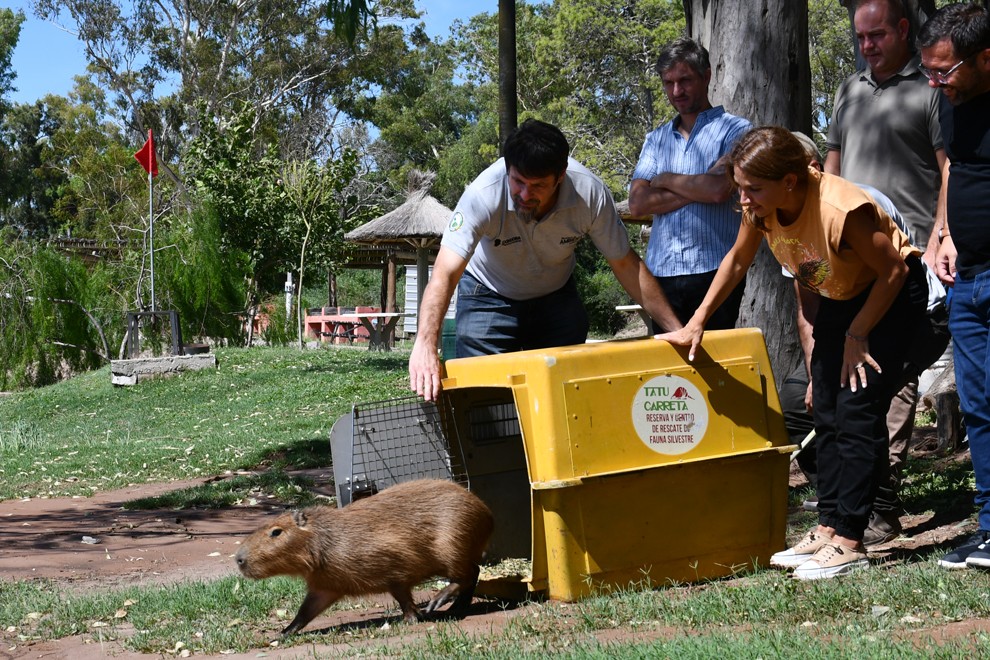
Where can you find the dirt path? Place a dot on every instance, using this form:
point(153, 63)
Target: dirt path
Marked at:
point(93, 542)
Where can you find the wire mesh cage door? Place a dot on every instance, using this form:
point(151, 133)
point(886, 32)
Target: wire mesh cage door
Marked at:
point(391, 442)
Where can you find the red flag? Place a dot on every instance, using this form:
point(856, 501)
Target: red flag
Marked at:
point(147, 156)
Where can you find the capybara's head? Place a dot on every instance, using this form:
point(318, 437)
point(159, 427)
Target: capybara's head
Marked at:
point(282, 547)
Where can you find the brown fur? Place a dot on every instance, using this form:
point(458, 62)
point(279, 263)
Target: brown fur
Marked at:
point(389, 542)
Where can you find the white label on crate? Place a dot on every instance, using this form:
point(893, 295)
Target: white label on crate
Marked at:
point(670, 415)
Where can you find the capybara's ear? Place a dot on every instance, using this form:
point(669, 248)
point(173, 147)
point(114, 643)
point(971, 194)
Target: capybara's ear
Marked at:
point(299, 517)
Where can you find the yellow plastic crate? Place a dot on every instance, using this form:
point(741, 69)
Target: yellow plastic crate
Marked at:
point(620, 462)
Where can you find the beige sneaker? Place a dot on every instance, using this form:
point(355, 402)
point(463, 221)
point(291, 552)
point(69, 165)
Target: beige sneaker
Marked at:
point(831, 560)
point(800, 553)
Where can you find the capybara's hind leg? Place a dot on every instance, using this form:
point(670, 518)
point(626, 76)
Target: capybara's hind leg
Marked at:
point(462, 587)
point(443, 597)
point(466, 592)
point(314, 603)
point(410, 613)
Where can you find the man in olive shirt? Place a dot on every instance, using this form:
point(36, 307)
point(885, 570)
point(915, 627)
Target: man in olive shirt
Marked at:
point(885, 133)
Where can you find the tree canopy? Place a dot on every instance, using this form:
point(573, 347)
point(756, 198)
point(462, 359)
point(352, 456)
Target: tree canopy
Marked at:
point(350, 93)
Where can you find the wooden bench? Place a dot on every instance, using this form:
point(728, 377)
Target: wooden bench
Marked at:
point(341, 330)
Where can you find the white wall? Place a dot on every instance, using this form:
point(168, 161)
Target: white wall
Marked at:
point(410, 304)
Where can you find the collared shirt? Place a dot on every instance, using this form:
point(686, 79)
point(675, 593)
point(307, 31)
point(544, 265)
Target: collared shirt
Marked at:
point(887, 135)
point(694, 238)
point(522, 259)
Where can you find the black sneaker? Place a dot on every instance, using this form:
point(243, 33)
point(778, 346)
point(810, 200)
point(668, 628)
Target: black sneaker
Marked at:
point(883, 527)
point(980, 558)
point(958, 557)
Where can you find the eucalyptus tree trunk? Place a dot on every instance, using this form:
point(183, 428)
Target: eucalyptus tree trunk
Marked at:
point(761, 71)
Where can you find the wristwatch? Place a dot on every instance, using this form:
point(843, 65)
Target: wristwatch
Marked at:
point(942, 233)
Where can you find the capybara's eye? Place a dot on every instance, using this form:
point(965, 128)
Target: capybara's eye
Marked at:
point(275, 532)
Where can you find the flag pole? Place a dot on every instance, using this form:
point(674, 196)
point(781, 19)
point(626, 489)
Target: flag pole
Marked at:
point(151, 223)
point(146, 156)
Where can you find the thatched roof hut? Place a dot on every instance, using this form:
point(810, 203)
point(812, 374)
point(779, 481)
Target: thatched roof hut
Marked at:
point(418, 222)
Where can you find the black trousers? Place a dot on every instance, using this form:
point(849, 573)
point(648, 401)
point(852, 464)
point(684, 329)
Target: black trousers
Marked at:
point(685, 294)
point(850, 427)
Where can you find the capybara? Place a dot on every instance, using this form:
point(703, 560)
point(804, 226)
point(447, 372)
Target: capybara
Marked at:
point(388, 542)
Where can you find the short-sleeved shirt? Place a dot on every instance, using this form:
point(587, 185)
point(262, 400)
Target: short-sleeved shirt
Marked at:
point(966, 128)
point(811, 248)
point(523, 260)
point(694, 238)
point(887, 136)
point(936, 290)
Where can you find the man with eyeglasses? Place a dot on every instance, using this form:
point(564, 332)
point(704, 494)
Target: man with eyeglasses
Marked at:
point(884, 133)
point(955, 55)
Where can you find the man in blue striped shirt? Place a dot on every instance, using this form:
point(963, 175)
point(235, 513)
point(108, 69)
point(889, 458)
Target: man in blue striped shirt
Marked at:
point(680, 180)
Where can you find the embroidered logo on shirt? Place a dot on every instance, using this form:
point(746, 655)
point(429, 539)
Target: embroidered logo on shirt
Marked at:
point(509, 241)
point(567, 240)
point(456, 222)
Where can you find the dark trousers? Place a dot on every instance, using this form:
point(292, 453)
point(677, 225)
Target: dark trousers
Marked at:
point(685, 293)
point(489, 323)
point(850, 427)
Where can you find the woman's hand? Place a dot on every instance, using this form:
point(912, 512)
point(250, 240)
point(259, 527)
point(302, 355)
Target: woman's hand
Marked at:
point(689, 335)
point(856, 359)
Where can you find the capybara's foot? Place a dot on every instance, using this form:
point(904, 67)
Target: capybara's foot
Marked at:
point(442, 597)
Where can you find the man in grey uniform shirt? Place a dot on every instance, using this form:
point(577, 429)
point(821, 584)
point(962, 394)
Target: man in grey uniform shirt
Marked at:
point(509, 250)
point(885, 133)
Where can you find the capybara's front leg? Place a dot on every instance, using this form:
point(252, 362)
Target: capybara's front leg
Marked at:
point(410, 613)
point(314, 603)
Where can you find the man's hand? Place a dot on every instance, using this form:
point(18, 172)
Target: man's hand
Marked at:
point(945, 261)
point(424, 371)
point(658, 181)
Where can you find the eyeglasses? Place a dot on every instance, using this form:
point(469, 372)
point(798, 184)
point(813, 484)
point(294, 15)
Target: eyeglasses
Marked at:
point(937, 75)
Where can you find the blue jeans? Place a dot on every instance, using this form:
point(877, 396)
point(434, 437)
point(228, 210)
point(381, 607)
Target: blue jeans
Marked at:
point(969, 323)
point(489, 323)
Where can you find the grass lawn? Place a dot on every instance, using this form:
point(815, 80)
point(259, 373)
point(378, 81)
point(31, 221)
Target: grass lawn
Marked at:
point(263, 407)
point(273, 408)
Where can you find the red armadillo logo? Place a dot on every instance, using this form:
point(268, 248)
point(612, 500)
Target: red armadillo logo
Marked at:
point(681, 393)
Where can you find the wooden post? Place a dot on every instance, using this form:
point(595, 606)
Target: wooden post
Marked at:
point(942, 397)
point(391, 304)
